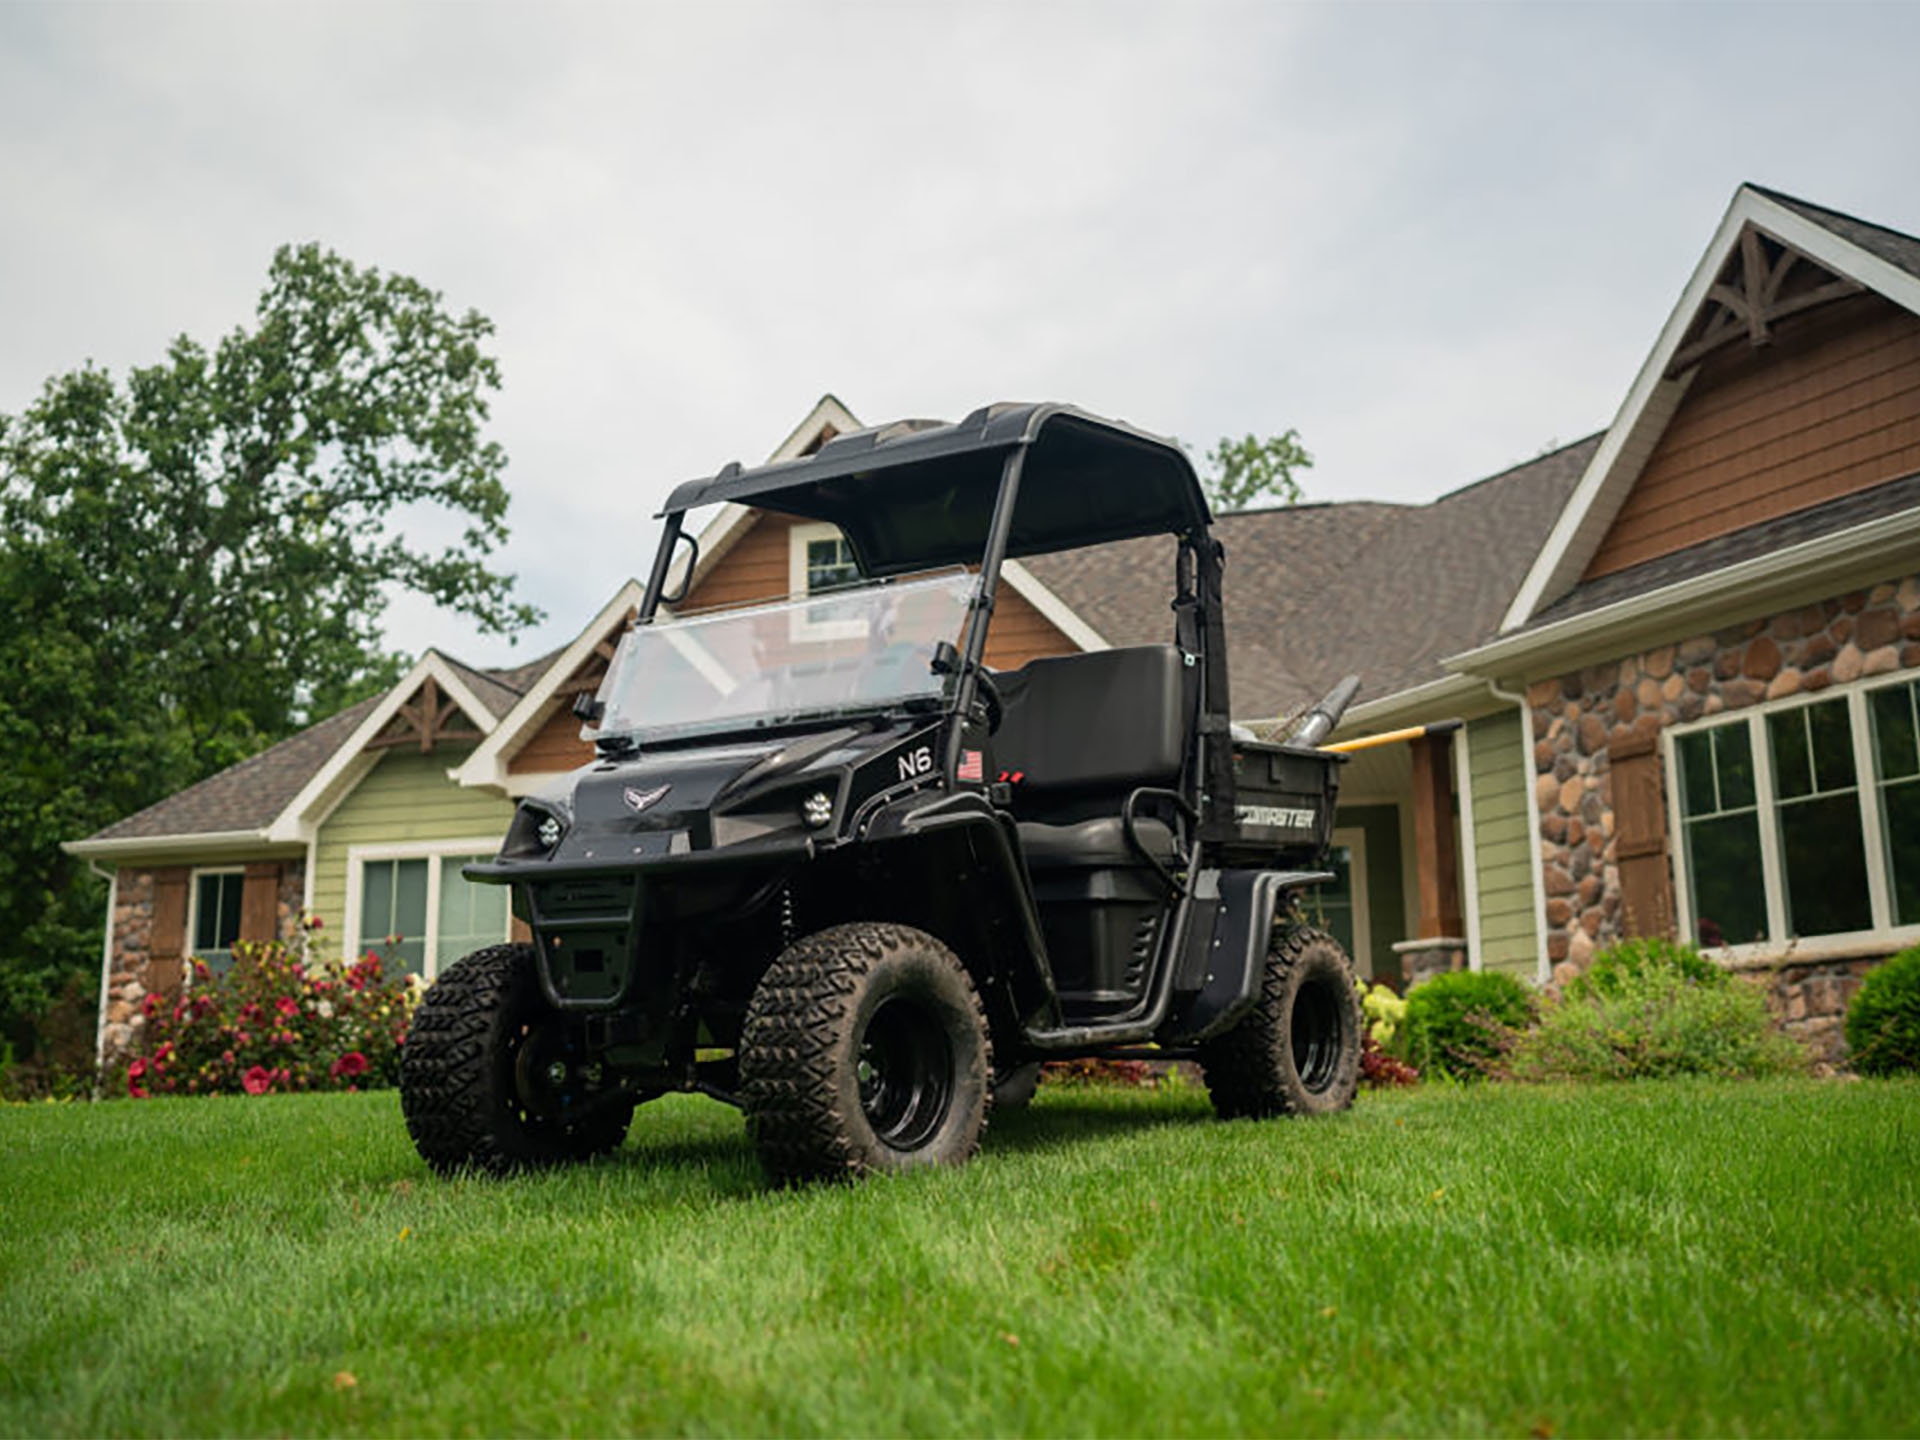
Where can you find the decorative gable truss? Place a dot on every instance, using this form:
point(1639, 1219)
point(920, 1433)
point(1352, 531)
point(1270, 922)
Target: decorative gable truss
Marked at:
point(1768, 261)
point(427, 720)
point(433, 705)
point(1764, 281)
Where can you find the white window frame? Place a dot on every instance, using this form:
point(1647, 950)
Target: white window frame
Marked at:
point(358, 857)
point(1884, 934)
point(800, 626)
point(193, 903)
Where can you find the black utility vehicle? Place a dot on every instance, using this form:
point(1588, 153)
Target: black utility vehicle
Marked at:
point(830, 868)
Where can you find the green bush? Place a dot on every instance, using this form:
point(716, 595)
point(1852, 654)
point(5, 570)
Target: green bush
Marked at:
point(1463, 1023)
point(1883, 1022)
point(1608, 970)
point(1653, 1021)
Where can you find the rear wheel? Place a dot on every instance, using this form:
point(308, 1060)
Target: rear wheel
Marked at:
point(1297, 1052)
point(865, 1049)
point(492, 1078)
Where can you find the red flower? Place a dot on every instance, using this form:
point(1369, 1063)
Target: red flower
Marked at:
point(257, 1081)
point(287, 1005)
point(134, 1072)
point(351, 1063)
point(149, 1005)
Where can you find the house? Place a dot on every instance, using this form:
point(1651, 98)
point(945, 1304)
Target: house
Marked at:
point(1684, 652)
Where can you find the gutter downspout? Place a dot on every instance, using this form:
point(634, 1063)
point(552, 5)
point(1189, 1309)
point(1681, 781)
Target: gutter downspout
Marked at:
point(106, 974)
point(1544, 971)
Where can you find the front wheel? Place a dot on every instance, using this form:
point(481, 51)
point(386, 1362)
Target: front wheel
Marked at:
point(492, 1079)
point(865, 1049)
point(1297, 1052)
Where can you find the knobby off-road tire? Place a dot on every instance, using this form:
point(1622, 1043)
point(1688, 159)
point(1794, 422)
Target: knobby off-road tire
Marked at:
point(461, 1086)
point(1297, 1052)
point(865, 1050)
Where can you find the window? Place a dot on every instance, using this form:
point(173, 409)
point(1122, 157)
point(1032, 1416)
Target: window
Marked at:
point(1896, 753)
point(216, 916)
point(820, 559)
point(419, 914)
point(1801, 819)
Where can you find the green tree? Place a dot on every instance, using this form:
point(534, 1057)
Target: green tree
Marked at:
point(1251, 469)
point(196, 562)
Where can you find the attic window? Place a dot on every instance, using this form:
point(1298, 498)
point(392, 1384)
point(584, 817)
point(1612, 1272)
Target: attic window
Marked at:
point(820, 559)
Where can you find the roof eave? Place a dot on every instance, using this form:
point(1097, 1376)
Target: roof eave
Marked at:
point(209, 844)
point(1775, 581)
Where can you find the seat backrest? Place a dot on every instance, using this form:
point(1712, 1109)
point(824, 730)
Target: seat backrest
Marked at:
point(1107, 720)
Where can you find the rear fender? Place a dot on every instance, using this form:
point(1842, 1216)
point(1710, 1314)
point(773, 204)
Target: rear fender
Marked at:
point(1223, 965)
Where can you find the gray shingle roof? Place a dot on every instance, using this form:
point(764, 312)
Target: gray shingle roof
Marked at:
point(246, 796)
point(250, 795)
point(1892, 246)
point(1317, 591)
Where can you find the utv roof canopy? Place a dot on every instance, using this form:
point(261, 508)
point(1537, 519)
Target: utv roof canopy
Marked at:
point(918, 494)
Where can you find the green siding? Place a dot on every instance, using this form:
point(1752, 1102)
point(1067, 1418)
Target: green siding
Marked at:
point(407, 796)
point(1386, 899)
point(1503, 854)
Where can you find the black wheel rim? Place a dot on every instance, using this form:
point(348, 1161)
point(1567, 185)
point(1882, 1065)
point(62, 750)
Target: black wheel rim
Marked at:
point(1317, 1034)
point(905, 1070)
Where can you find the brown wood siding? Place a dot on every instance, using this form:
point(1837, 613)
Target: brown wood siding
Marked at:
point(1832, 407)
point(753, 571)
point(555, 746)
point(1021, 633)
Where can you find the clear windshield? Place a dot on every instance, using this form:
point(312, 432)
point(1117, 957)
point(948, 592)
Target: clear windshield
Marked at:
point(857, 650)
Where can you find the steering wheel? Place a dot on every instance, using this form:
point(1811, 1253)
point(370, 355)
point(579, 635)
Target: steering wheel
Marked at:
point(988, 694)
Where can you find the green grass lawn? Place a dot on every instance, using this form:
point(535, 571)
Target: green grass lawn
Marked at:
point(1719, 1259)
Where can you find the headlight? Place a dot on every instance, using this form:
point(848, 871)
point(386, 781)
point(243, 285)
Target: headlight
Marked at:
point(534, 834)
point(817, 809)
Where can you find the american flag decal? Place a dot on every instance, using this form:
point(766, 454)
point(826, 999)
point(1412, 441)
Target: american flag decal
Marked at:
point(970, 768)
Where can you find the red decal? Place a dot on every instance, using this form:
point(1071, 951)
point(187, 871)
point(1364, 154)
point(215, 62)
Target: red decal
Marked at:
point(970, 766)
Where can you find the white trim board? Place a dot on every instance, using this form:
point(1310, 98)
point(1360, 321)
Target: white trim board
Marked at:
point(486, 767)
point(1652, 399)
point(300, 820)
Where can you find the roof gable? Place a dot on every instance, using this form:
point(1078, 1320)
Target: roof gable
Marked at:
point(567, 671)
point(1770, 258)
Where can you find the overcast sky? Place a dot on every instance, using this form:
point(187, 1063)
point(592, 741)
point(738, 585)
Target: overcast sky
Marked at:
point(1435, 238)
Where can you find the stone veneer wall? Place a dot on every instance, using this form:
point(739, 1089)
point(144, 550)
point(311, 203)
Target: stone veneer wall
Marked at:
point(1872, 631)
point(133, 946)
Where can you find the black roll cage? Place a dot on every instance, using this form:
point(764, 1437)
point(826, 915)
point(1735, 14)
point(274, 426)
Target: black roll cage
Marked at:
point(1085, 480)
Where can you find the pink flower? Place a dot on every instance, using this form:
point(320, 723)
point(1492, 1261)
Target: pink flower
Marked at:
point(351, 1063)
point(257, 1081)
point(149, 1005)
point(134, 1072)
point(287, 1005)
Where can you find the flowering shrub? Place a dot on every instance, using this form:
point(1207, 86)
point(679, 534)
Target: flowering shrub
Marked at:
point(1383, 1039)
point(1089, 1070)
point(271, 1023)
